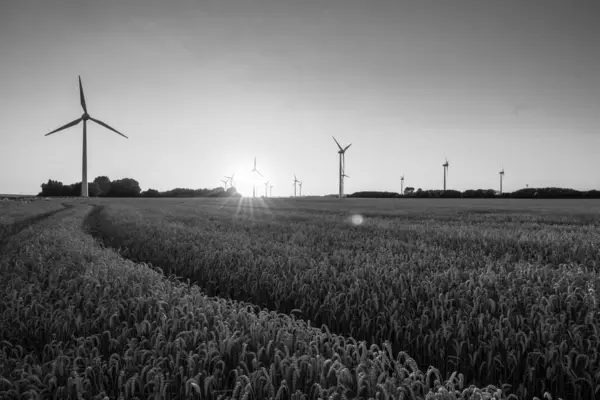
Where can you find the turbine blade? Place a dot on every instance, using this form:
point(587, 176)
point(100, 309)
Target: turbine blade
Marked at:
point(348, 146)
point(108, 127)
point(70, 124)
point(260, 173)
point(81, 96)
point(336, 142)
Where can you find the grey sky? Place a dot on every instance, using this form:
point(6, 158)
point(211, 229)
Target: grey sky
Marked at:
point(201, 87)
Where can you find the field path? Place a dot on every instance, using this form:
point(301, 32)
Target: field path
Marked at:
point(11, 230)
point(92, 224)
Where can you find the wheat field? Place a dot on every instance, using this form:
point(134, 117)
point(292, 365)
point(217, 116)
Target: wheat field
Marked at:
point(299, 299)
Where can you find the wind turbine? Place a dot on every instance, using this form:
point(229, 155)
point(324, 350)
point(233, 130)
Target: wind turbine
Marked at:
point(402, 184)
point(230, 178)
point(266, 186)
point(300, 184)
point(84, 117)
point(501, 177)
point(225, 182)
point(445, 165)
point(342, 153)
point(271, 190)
point(295, 182)
point(254, 181)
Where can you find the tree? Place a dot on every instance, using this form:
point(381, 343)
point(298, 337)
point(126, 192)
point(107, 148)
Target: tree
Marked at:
point(375, 195)
point(104, 184)
point(150, 193)
point(453, 194)
point(93, 189)
point(126, 187)
point(409, 191)
point(54, 188)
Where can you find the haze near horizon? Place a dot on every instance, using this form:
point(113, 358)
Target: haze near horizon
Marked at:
point(202, 87)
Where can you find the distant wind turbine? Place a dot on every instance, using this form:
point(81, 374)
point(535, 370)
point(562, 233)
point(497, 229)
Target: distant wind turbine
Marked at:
point(295, 182)
point(300, 184)
point(342, 153)
point(402, 184)
point(84, 117)
point(225, 183)
point(266, 186)
point(254, 183)
point(445, 165)
point(271, 190)
point(230, 178)
point(501, 178)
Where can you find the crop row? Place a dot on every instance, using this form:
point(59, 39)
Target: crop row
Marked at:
point(511, 306)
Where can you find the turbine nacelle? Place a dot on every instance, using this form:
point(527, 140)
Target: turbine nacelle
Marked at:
point(85, 116)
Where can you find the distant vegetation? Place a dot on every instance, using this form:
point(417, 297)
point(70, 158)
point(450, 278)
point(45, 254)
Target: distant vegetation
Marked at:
point(102, 186)
point(528, 193)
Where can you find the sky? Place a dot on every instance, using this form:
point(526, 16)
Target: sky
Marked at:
point(203, 87)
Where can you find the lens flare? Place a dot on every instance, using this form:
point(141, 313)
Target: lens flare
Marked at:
point(357, 219)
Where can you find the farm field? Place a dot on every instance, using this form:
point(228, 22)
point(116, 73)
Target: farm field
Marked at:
point(301, 298)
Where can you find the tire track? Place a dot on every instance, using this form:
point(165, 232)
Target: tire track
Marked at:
point(13, 229)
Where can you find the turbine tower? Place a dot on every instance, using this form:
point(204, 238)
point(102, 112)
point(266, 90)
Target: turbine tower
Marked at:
point(266, 186)
point(225, 183)
point(501, 177)
point(300, 184)
point(230, 178)
point(271, 190)
point(254, 180)
point(445, 165)
point(84, 117)
point(402, 184)
point(342, 153)
point(295, 182)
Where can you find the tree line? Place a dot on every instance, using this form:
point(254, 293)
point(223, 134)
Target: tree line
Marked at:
point(527, 193)
point(102, 186)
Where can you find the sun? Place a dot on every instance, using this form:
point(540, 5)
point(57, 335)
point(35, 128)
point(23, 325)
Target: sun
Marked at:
point(243, 182)
point(246, 182)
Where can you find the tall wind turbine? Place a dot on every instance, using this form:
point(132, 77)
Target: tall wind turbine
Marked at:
point(225, 183)
point(254, 180)
point(230, 178)
point(501, 177)
point(300, 184)
point(295, 182)
point(342, 153)
point(445, 165)
point(84, 117)
point(402, 184)
point(271, 190)
point(266, 186)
